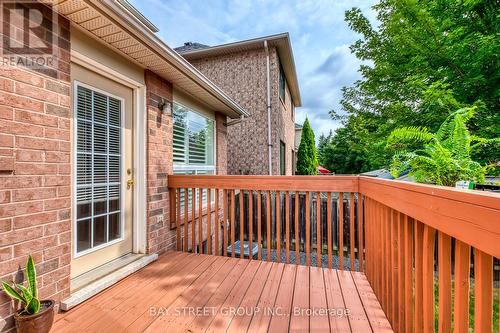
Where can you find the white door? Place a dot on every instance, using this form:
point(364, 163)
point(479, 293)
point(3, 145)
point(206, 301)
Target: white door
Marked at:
point(103, 151)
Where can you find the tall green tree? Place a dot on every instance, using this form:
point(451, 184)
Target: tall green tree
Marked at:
point(307, 161)
point(424, 60)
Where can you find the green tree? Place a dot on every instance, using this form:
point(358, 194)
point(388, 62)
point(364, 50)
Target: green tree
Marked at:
point(444, 157)
point(323, 143)
point(424, 60)
point(307, 161)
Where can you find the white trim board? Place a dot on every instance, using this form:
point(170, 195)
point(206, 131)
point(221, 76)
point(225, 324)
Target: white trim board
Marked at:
point(106, 281)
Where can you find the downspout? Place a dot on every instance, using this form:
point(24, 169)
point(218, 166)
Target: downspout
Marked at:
point(269, 141)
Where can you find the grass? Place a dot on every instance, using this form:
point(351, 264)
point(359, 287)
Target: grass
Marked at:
point(471, 306)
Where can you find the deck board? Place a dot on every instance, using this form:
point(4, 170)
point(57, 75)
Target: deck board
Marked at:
point(150, 299)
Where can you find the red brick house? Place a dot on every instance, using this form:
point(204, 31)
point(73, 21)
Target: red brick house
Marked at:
point(260, 75)
point(87, 139)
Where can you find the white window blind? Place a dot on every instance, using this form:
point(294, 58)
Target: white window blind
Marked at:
point(193, 145)
point(98, 167)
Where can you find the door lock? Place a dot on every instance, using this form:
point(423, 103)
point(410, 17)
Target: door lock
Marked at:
point(130, 183)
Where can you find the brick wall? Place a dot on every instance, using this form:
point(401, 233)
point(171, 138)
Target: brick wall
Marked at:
point(243, 77)
point(221, 143)
point(159, 164)
point(283, 121)
point(35, 172)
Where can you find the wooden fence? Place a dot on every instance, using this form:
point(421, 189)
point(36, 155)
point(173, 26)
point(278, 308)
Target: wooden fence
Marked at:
point(409, 239)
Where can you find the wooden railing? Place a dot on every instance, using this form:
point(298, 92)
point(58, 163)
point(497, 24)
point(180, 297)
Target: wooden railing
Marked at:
point(419, 240)
point(410, 239)
point(288, 216)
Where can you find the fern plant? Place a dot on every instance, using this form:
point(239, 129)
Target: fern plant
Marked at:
point(28, 296)
point(444, 157)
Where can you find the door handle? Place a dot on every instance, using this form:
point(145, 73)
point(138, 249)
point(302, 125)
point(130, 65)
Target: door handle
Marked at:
point(130, 183)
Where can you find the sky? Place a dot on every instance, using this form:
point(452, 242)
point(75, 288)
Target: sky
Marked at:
point(320, 40)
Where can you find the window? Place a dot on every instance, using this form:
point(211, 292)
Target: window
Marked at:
point(98, 126)
point(193, 145)
point(282, 86)
point(282, 158)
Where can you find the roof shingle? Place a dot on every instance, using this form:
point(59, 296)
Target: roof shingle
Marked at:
point(190, 46)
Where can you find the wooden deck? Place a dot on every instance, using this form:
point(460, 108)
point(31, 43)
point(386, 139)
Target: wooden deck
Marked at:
point(183, 292)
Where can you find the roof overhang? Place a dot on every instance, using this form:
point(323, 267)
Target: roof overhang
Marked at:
point(280, 41)
point(113, 23)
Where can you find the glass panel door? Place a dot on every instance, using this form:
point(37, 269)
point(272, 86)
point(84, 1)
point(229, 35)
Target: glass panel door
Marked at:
point(99, 219)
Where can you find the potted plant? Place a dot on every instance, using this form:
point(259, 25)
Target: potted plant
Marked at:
point(35, 316)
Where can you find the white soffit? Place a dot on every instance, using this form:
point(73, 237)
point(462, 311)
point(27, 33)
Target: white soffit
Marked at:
point(138, 43)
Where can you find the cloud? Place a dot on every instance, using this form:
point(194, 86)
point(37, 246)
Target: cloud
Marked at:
point(320, 39)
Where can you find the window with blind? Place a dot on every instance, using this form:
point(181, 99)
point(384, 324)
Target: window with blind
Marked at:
point(98, 121)
point(193, 145)
point(282, 84)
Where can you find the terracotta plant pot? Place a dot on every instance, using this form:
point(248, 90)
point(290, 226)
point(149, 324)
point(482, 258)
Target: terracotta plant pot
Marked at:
point(40, 322)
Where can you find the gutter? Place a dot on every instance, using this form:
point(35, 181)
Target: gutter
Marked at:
point(121, 14)
point(269, 140)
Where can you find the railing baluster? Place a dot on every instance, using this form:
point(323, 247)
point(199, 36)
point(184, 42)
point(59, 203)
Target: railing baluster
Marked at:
point(308, 230)
point(287, 227)
point(340, 244)
point(296, 218)
point(360, 233)
point(224, 226)
point(401, 272)
point(209, 221)
point(193, 219)
point(233, 208)
point(242, 227)
point(259, 225)
point(408, 255)
point(268, 224)
point(200, 220)
point(216, 222)
point(367, 224)
point(462, 286)
point(178, 219)
point(379, 234)
point(444, 282)
point(352, 234)
point(329, 227)
point(419, 305)
point(318, 228)
point(172, 205)
point(387, 261)
point(483, 292)
point(394, 269)
point(250, 224)
point(428, 279)
point(278, 226)
point(186, 219)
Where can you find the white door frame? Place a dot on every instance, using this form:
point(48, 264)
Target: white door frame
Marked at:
point(139, 223)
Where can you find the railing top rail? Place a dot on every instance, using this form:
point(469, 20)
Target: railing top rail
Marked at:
point(268, 183)
point(472, 217)
point(481, 198)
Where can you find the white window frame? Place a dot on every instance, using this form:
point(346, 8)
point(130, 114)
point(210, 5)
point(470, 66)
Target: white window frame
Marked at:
point(196, 168)
point(77, 254)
